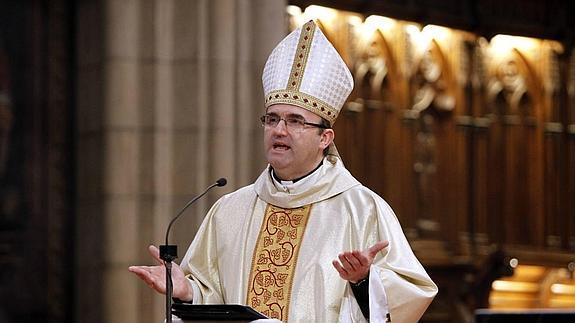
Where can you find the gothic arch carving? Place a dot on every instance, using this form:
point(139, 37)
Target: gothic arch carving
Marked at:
point(432, 81)
point(513, 84)
point(374, 67)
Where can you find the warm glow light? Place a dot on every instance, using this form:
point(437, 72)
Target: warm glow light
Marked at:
point(293, 10)
point(379, 22)
point(529, 273)
point(563, 289)
point(422, 39)
point(416, 36)
point(436, 32)
point(509, 286)
point(412, 29)
point(318, 12)
point(511, 300)
point(501, 45)
point(513, 262)
point(568, 302)
point(297, 15)
point(373, 23)
point(354, 20)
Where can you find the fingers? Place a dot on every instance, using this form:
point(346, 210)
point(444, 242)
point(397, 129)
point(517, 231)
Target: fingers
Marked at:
point(350, 261)
point(350, 266)
point(361, 257)
point(153, 276)
point(143, 273)
point(379, 246)
point(342, 272)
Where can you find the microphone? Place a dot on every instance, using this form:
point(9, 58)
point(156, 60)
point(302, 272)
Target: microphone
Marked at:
point(220, 182)
point(168, 252)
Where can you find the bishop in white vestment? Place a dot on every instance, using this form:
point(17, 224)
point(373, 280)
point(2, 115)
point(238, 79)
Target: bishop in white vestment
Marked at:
point(306, 242)
point(276, 241)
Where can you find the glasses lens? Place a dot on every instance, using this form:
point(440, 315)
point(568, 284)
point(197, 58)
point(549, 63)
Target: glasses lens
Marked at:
point(270, 120)
point(295, 123)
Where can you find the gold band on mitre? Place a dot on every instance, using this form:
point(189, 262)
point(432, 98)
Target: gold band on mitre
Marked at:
point(303, 100)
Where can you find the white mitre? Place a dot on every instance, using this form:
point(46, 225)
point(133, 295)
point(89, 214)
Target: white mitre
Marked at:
point(305, 70)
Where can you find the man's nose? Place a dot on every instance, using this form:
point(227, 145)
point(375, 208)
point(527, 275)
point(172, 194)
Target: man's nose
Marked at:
point(281, 126)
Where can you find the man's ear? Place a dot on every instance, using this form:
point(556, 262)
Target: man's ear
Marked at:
point(327, 137)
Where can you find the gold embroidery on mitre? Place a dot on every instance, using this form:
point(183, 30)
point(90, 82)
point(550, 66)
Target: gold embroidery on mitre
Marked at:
point(274, 260)
point(302, 100)
point(301, 55)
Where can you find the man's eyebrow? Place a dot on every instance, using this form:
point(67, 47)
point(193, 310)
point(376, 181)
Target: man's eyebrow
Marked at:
point(295, 115)
point(289, 115)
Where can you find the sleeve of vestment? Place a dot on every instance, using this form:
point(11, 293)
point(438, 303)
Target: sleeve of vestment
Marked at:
point(200, 262)
point(399, 287)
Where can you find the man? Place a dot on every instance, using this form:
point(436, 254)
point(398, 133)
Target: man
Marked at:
point(306, 242)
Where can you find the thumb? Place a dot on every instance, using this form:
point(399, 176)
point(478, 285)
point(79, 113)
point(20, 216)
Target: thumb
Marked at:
point(155, 252)
point(373, 250)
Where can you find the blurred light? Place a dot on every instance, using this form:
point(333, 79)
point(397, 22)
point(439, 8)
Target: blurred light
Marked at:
point(379, 22)
point(513, 262)
point(354, 20)
point(567, 303)
point(529, 273)
point(438, 33)
point(501, 45)
point(412, 29)
point(510, 286)
point(416, 36)
point(321, 13)
point(297, 15)
point(563, 289)
point(294, 10)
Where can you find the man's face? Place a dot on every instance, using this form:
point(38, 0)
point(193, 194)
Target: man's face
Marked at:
point(294, 153)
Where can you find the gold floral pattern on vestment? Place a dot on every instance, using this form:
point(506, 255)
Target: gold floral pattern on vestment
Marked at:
point(274, 260)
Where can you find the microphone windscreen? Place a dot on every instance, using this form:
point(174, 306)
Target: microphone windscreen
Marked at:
point(221, 182)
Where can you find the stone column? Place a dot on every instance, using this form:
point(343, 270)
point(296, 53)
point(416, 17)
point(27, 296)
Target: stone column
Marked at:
point(169, 94)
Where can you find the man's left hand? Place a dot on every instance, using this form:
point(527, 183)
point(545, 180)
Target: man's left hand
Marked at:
point(353, 266)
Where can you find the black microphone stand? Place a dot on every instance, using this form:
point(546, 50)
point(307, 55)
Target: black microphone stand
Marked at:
point(169, 253)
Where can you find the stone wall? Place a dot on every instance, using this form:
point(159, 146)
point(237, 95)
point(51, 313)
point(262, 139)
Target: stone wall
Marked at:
point(168, 98)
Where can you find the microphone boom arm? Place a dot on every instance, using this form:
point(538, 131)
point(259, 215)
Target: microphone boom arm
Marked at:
point(168, 252)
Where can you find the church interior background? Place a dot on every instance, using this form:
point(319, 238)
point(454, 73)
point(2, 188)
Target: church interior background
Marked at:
point(114, 113)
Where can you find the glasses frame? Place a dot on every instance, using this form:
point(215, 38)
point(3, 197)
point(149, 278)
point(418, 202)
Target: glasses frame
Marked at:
point(304, 122)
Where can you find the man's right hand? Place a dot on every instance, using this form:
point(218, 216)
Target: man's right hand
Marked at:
point(155, 277)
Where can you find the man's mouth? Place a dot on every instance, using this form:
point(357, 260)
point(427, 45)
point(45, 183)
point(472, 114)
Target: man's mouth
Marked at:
point(279, 146)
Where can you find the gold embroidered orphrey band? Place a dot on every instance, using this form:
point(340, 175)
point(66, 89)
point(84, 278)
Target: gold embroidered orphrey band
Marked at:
point(301, 54)
point(274, 260)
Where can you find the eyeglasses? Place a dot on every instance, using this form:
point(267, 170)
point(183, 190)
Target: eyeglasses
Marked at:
point(293, 122)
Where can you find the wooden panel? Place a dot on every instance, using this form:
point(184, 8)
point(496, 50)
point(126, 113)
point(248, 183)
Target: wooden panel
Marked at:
point(570, 151)
point(555, 223)
point(408, 207)
point(496, 170)
point(555, 171)
point(570, 179)
point(481, 172)
point(349, 131)
point(464, 140)
point(543, 19)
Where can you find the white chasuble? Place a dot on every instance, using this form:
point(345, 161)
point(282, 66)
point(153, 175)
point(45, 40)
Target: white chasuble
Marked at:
point(226, 260)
